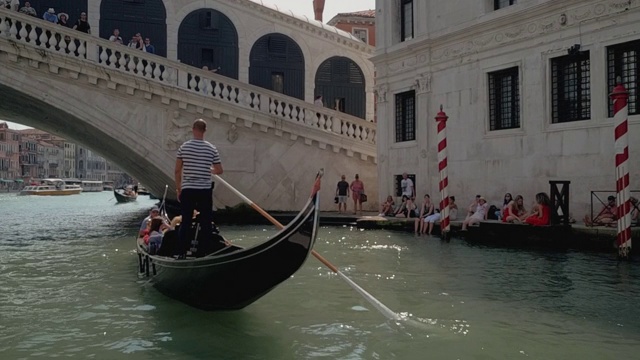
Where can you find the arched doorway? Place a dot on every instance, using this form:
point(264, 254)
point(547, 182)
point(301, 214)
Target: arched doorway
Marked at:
point(277, 63)
point(341, 83)
point(148, 17)
point(207, 37)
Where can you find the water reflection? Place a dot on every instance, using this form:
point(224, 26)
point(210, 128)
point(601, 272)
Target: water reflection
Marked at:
point(68, 287)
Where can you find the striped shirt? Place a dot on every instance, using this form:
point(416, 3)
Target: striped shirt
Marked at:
point(197, 157)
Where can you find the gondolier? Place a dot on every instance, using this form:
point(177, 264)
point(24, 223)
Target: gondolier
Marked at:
point(196, 160)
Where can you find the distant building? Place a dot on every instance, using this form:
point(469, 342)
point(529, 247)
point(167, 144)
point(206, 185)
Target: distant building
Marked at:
point(28, 157)
point(361, 24)
point(51, 158)
point(9, 154)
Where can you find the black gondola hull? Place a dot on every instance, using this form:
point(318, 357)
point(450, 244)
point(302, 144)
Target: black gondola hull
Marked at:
point(237, 277)
point(122, 198)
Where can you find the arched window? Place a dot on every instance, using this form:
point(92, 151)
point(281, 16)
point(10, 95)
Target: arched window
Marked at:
point(207, 37)
point(341, 83)
point(277, 63)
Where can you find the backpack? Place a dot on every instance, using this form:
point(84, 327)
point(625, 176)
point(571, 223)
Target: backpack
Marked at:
point(492, 212)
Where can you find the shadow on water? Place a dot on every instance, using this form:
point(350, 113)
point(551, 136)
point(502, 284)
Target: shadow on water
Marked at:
point(193, 333)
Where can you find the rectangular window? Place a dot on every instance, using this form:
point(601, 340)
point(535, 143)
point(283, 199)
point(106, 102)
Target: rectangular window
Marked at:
point(362, 34)
point(406, 20)
point(501, 4)
point(504, 99)
point(406, 116)
point(571, 88)
point(623, 67)
point(277, 82)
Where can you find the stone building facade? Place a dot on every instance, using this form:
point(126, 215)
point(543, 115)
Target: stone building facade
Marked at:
point(525, 84)
point(9, 154)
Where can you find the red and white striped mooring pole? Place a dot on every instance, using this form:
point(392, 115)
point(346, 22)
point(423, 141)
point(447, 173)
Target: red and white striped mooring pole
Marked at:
point(445, 224)
point(620, 97)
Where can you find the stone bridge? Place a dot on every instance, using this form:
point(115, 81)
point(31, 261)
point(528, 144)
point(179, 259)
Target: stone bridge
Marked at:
point(135, 109)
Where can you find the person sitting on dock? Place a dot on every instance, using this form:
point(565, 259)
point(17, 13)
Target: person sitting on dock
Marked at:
point(472, 207)
point(407, 209)
point(426, 210)
point(515, 211)
point(478, 215)
point(541, 212)
point(606, 216)
point(386, 209)
point(505, 204)
point(453, 215)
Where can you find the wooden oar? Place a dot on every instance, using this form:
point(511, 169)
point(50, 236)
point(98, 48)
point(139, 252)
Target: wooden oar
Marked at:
point(372, 300)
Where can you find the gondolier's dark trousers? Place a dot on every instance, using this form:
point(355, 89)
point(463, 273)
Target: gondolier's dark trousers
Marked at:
point(195, 199)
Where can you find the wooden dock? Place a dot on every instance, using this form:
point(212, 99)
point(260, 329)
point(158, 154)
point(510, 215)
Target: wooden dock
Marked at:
point(493, 232)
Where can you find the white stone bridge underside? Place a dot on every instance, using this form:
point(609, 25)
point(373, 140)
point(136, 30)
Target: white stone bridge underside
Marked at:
point(136, 108)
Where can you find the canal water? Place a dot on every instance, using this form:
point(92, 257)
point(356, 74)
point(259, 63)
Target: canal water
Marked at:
point(69, 288)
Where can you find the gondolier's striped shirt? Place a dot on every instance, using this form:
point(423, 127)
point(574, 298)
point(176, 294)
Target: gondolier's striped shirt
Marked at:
point(197, 157)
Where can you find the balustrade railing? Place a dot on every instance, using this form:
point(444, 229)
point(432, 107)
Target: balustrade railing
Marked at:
point(55, 38)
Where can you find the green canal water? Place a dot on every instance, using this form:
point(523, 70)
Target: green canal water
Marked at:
point(69, 288)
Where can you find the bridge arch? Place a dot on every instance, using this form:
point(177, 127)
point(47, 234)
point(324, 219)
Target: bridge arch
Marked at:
point(207, 37)
point(276, 62)
point(148, 18)
point(341, 83)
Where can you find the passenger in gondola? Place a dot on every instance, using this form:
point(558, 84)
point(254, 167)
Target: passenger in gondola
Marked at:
point(541, 212)
point(153, 213)
point(155, 235)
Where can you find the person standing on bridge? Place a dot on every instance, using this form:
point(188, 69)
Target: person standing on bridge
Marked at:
point(196, 160)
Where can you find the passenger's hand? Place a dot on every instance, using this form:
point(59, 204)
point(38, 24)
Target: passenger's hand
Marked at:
point(178, 192)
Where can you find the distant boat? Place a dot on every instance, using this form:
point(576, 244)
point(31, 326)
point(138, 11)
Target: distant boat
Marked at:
point(91, 186)
point(51, 187)
point(142, 190)
point(125, 195)
point(107, 186)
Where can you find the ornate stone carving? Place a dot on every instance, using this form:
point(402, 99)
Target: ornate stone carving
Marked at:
point(178, 131)
point(232, 134)
point(423, 83)
point(404, 64)
point(526, 29)
point(381, 93)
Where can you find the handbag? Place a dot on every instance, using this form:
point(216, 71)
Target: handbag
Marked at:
point(363, 198)
point(335, 200)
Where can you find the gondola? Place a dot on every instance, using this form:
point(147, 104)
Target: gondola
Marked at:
point(121, 197)
point(232, 277)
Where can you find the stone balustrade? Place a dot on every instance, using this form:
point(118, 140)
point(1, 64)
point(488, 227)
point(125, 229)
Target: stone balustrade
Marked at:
point(68, 42)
